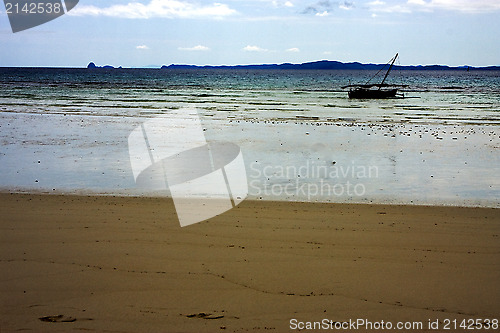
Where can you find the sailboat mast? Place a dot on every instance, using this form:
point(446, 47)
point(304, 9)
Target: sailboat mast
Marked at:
point(390, 67)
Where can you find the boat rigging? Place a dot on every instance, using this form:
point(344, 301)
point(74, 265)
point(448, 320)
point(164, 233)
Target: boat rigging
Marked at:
point(376, 90)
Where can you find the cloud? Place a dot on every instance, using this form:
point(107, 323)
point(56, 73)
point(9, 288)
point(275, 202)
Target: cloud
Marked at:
point(464, 6)
point(346, 5)
point(376, 3)
point(142, 47)
point(194, 48)
point(156, 8)
point(324, 7)
point(254, 48)
point(390, 8)
point(319, 7)
point(415, 2)
point(325, 13)
point(293, 49)
point(281, 3)
point(476, 6)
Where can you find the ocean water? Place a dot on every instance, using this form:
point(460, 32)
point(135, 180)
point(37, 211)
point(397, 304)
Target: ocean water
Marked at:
point(440, 97)
point(66, 130)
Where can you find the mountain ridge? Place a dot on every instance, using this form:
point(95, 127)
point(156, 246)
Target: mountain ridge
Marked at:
point(333, 65)
point(317, 65)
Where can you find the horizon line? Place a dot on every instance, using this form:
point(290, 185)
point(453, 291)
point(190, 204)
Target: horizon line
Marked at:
point(251, 64)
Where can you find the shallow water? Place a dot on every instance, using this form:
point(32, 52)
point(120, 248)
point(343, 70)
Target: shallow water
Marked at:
point(440, 97)
point(66, 130)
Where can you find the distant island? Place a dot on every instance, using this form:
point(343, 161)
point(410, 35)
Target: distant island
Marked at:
point(335, 65)
point(91, 65)
point(317, 65)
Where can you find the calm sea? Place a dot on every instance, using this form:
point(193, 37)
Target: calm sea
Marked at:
point(439, 97)
point(65, 130)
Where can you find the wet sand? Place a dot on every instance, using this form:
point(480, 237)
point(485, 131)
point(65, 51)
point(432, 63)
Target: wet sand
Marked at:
point(428, 164)
point(123, 264)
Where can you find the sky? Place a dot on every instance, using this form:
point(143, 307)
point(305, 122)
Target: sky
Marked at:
point(141, 33)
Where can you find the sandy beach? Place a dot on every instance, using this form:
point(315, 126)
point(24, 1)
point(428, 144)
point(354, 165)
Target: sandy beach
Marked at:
point(350, 148)
point(104, 263)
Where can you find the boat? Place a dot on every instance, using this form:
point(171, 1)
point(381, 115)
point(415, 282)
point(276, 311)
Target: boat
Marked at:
point(372, 91)
point(376, 90)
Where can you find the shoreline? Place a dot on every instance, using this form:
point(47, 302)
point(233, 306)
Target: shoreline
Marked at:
point(151, 195)
point(443, 165)
point(124, 264)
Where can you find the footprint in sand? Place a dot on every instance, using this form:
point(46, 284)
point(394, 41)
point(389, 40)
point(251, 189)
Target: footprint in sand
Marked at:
point(60, 319)
point(204, 315)
point(57, 319)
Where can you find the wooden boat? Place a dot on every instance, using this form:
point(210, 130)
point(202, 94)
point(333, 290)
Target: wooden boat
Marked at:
point(376, 90)
point(372, 91)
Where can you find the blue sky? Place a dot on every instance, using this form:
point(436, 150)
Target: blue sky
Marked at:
point(138, 33)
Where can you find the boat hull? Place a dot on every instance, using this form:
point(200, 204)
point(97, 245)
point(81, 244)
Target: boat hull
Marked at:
point(372, 93)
